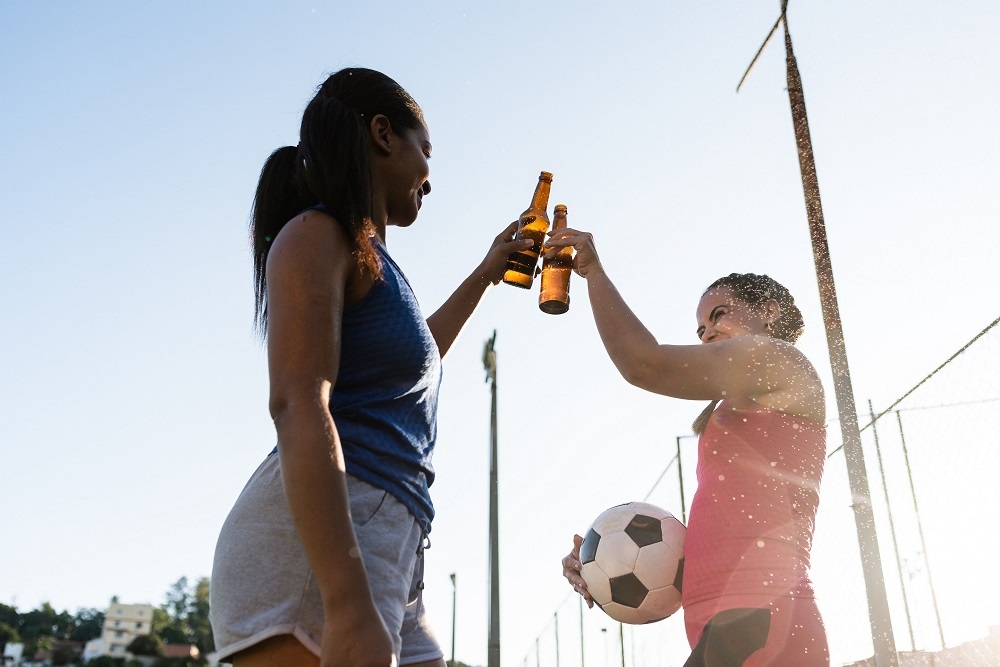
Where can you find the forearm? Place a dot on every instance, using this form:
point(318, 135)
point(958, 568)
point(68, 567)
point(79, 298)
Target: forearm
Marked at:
point(314, 480)
point(448, 320)
point(627, 341)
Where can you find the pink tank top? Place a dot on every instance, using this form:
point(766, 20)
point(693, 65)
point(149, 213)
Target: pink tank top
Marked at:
point(752, 517)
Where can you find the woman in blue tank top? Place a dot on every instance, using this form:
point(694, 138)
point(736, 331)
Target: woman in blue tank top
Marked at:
point(319, 561)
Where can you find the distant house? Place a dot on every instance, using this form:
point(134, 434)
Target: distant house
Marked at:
point(12, 653)
point(92, 649)
point(181, 651)
point(122, 624)
point(63, 648)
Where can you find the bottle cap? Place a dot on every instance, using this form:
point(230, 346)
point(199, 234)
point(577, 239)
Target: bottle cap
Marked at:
point(545, 176)
point(560, 207)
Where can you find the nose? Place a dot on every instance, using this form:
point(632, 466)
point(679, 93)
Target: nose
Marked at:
point(708, 336)
point(426, 187)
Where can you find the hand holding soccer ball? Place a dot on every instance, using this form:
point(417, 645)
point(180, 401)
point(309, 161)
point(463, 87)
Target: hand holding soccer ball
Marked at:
point(630, 563)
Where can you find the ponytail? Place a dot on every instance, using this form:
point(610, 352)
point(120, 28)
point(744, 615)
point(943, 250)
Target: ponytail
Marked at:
point(278, 198)
point(701, 422)
point(332, 166)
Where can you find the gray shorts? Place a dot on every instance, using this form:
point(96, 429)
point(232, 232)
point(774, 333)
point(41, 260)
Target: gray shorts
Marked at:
point(262, 585)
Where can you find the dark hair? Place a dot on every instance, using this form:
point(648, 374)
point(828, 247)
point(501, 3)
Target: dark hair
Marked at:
point(755, 291)
point(330, 166)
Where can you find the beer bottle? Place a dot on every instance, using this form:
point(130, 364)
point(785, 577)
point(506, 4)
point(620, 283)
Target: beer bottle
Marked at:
point(532, 224)
point(554, 297)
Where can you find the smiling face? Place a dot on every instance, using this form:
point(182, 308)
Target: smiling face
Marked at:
point(406, 175)
point(721, 315)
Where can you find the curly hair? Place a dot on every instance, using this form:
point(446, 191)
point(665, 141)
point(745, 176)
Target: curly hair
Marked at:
point(756, 290)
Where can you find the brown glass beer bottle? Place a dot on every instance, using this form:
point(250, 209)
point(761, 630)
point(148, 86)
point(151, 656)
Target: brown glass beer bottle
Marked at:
point(554, 297)
point(532, 224)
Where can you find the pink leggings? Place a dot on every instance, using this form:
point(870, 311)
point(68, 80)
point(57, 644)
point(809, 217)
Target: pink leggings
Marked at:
point(756, 633)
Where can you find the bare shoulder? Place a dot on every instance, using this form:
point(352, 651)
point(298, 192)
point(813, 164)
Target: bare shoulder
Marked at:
point(799, 390)
point(312, 242)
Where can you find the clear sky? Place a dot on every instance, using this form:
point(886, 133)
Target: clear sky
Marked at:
point(134, 402)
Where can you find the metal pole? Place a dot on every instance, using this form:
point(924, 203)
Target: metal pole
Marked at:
point(493, 647)
point(582, 659)
point(454, 599)
point(920, 529)
point(680, 480)
point(621, 637)
point(871, 559)
point(556, 615)
point(892, 526)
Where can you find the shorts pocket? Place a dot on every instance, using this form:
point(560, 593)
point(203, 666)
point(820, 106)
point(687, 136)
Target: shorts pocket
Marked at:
point(366, 501)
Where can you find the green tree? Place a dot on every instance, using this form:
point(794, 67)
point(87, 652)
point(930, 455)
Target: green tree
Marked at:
point(178, 599)
point(8, 633)
point(9, 615)
point(198, 621)
point(87, 625)
point(39, 626)
point(146, 645)
point(176, 608)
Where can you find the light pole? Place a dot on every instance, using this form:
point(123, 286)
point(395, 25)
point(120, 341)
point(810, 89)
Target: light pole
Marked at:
point(493, 646)
point(454, 597)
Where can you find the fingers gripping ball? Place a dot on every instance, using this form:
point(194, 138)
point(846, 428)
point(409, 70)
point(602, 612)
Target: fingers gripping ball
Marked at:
point(633, 562)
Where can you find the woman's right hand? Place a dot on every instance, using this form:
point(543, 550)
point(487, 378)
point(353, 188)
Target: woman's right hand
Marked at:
point(571, 570)
point(585, 261)
point(360, 640)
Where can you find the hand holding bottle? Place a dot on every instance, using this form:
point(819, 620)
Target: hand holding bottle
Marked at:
point(586, 262)
point(495, 263)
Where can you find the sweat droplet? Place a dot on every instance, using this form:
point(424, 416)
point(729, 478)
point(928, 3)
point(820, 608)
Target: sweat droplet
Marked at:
point(760, 543)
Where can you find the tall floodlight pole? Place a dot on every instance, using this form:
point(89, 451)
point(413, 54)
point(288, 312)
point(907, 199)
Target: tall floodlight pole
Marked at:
point(871, 560)
point(493, 646)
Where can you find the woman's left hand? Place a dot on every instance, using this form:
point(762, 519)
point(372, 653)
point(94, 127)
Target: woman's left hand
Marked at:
point(495, 263)
point(571, 570)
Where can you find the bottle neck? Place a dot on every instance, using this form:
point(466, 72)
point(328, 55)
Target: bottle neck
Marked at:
point(540, 200)
point(559, 221)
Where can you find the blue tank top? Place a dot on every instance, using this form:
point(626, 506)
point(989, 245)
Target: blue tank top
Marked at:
point(384, 402)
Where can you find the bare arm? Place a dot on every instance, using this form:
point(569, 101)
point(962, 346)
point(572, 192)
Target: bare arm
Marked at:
point(749, 366)
point(448, 320)
point(307, 272)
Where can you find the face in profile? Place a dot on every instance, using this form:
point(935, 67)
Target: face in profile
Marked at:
point(407, 175)
point(722, 315)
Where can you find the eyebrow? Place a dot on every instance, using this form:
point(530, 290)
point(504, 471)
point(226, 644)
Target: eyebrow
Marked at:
point(701, 329)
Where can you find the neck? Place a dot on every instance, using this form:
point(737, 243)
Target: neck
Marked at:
point(380, 219)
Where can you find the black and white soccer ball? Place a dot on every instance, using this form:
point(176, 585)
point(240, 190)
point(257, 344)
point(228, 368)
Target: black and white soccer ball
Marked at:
point(633, 562)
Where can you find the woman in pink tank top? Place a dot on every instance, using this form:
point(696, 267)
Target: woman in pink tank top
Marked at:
point(748, 600)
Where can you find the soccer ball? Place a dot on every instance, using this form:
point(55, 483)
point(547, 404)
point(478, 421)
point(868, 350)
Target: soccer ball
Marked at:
point(633, 562)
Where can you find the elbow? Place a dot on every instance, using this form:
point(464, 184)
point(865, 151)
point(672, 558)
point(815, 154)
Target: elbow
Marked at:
point(292, 406)
point(277, 406)
point(636, 375)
